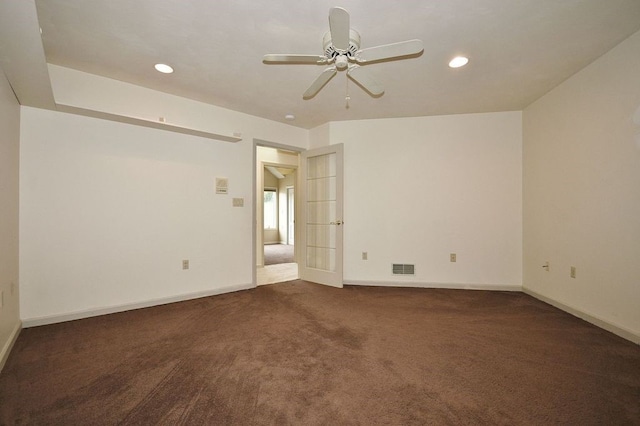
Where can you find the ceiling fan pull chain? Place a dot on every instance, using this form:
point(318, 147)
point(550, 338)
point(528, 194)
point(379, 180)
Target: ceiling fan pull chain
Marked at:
point(347, 97)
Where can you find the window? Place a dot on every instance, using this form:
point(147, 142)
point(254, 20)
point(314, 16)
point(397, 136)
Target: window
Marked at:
point(270, 209)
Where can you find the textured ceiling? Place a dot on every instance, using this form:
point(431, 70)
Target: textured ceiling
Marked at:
point(518, 50)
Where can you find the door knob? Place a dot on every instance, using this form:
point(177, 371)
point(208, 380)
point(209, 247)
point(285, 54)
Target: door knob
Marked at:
point(337, 222)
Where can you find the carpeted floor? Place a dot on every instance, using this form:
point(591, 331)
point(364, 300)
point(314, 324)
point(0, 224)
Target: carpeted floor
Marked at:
point(305, 354)
point(278, 253)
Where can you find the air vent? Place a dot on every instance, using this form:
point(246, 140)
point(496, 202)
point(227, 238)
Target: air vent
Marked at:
point(403, 269)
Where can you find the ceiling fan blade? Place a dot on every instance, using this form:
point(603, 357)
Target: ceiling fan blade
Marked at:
point(365, 80)
point(389, 51)
point(294, 59)
point(320, 82)
point(339, 28)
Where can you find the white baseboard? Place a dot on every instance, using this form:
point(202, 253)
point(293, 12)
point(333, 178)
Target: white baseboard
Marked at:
point(599, 322)
point(6, 349)
point(452, 286)
point(52, 319)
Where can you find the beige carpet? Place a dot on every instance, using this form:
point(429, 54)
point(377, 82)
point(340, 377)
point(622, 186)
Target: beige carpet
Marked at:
point(278, 253)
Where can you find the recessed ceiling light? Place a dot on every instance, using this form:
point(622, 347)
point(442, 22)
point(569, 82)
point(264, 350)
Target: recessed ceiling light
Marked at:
point(458, 61)
point(290, 117)
point(164, 68)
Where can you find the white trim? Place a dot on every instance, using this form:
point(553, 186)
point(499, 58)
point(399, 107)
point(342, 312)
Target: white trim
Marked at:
point(6, 350)
point(623, 332)
point(52, 319)
point(453, 286)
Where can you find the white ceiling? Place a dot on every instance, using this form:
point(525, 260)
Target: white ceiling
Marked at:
point(518, 50)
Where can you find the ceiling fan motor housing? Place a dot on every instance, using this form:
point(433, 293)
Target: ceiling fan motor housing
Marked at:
point(330, 51)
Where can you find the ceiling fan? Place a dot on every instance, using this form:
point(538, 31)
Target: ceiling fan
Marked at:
point(342, 52)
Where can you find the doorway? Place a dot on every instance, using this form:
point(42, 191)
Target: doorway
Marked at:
point(275, 232)
point(279, 212)
point(318, 236)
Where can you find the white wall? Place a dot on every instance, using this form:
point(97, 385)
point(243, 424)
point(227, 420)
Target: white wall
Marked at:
point(320, 136)
point(9, 174)
point(418, 189)
point(110, 210)
point(582, 191)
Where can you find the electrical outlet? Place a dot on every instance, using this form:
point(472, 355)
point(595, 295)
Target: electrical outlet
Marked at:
point(573, 272)
point(452, 257)
point(238, 202)
point(185, 264)
point(365, 255)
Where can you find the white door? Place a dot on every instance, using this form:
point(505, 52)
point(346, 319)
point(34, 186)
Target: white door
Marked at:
point(321, 205)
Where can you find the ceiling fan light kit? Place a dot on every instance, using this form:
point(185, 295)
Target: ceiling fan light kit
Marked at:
point(342, 52)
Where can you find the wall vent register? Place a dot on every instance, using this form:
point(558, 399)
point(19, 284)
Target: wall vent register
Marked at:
point(403, 269)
